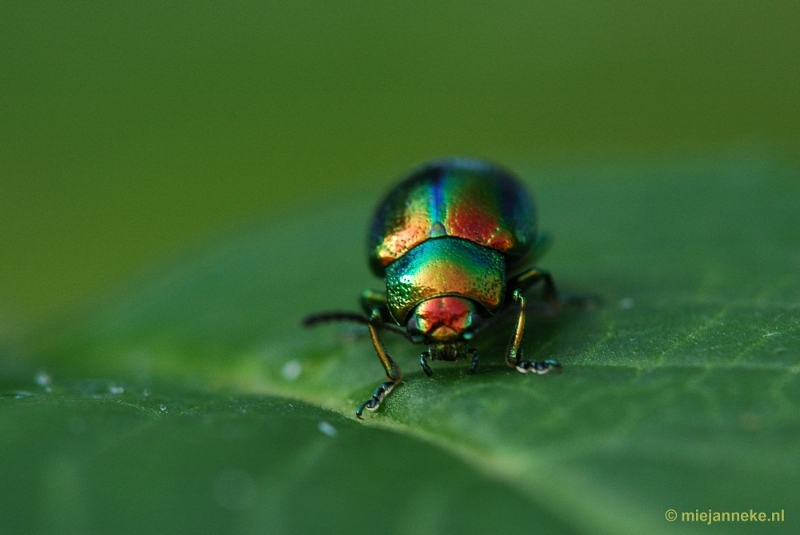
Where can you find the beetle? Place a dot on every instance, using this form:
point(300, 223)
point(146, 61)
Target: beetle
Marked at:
point(454, 242)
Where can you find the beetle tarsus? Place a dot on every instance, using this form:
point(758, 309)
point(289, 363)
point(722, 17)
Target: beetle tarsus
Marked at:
point(539, 367)
point(374, 402)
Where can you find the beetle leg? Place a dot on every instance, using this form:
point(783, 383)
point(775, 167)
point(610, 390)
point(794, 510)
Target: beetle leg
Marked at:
point(526, 279)
point(473, 367)
point(372, 300)
point(423, 361)
point(393, 372)
point(514, 352)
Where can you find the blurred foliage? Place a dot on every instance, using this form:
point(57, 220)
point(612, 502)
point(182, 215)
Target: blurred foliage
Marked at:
point(680, 391)
point(128, 129)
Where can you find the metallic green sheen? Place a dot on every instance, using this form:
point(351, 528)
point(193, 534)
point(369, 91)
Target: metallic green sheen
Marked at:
point(445, 266)
point(462, 198)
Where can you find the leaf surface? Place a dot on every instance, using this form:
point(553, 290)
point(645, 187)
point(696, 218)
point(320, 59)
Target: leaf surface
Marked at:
point(679, 391)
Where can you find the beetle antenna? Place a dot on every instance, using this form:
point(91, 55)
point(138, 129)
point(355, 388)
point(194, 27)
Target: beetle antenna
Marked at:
point(325, 317)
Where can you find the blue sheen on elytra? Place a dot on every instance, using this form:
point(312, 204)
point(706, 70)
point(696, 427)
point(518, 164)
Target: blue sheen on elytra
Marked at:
point(461, 198)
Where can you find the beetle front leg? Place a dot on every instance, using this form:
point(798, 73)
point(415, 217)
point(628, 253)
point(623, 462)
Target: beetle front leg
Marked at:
point(514, 353)
point(393, 372)
point(372, 300)
point(423, 361)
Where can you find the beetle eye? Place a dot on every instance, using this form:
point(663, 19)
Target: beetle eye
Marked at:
point(474, 325)
point(413, 326)
point(475, 322)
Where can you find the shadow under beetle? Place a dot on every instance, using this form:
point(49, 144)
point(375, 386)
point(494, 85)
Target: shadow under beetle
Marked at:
point(454, 242)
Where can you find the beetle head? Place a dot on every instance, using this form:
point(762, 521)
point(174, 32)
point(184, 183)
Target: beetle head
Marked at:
point(444, 320)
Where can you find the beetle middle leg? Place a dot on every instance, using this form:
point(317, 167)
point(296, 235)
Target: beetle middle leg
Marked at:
point(532, 276)
point(514, 353)
point(526, 279)
point(393, 372)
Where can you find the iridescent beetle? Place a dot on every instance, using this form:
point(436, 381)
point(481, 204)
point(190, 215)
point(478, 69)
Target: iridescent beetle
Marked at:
point(453, 242)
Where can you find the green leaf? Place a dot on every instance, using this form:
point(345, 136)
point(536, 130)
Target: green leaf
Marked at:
point(680, 391)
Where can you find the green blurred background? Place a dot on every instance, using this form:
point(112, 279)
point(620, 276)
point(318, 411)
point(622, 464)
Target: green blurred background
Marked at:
point(131, 129)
